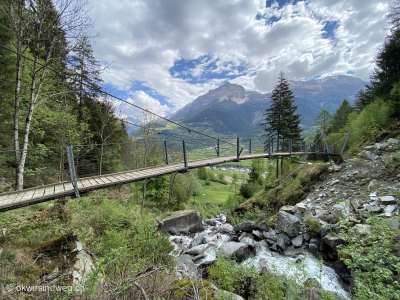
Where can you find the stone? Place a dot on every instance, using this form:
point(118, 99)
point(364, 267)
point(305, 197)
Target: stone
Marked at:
point(341, 210)
point(393, 224)
point(333, 182)
point(356, 203)
point(226, 228)
point(242, 251)
point(393, 141)
point(83, 266)
point(281, 243)
point(286, 208)
point(386, 200)
point(382, 146)
point(246, 226)
point(292, 251)
point(371, 208)
point(270, 236)
point(373, 184)
point(389, 209)
point(313, 248)
point(333, 240)
point(245, 236)
point(197, 250)
point(362, 230)
point(226, 295)
point(198, 240)
point(373, 196)
point(334, 168)
point(210, 222)
point(302, 207)
point(263, 226)
point(316, 242)
point(327, 228)
point(298, 241)
point(368, 155)
point(198, 257)
point(258, 235)
point(288, 224)
point(183, 220)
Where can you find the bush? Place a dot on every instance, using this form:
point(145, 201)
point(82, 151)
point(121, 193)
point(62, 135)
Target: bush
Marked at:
point(371, 260)
point(248, 190)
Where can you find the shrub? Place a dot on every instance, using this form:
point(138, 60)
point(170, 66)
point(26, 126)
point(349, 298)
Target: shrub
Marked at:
point(371, 260)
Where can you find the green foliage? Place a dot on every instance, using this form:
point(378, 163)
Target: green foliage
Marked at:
point(371, 260)
point(230, 276)
point(339, 119)
point(248, 189)
point(322, 120)
point(314, 226)
point(202, 173)
point(281, 120)
point(364, 126)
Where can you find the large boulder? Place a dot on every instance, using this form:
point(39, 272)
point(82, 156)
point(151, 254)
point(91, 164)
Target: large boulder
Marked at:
point(183, 221)
point(246, 226)
point(288, 224)
point(241, 251)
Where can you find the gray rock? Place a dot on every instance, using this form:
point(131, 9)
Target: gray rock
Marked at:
point(183, 220)
point(393, 141)
point(334, 168)
point(327, 228)
point(306, 237)
point(226, 228)
point(199, 239)
point(83, 266)
point(270, 236)
point(373, 184)
point(287, 208)
point(302, 207)
point(368, 155)
point(292, 251)
point(288, 224)
point(386, 200)
point(393, 224)
point(245, 236)
point(333, 240)
point(315, 242)
point(263, 226)
point(298, 241)
point(341, 210)
point(283, 241)
point(313, 248)
point(198, 257)
point(371, 208)
point(356, 203)
point(242, 251)
point(390, 209)
point(246, 226)
point(226, 295)
point(210, 222)
point(197, 250)
point(258, 235)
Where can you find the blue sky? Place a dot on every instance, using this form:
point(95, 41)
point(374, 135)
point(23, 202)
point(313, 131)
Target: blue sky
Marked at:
point(166, 53)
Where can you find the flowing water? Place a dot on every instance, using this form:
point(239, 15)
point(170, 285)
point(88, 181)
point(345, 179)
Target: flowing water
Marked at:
point(301, 268)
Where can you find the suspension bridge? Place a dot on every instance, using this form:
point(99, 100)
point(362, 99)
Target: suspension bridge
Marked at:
point(70, 171)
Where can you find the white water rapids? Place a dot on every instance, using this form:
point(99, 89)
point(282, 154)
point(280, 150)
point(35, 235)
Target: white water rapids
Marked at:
point(301, 268)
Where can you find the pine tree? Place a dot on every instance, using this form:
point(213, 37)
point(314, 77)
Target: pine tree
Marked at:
point(281, 120)
point(339, 119)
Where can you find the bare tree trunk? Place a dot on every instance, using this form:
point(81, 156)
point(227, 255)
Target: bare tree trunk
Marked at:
point(101, 157)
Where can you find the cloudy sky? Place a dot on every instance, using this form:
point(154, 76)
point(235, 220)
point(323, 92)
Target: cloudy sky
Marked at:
point(166, 53)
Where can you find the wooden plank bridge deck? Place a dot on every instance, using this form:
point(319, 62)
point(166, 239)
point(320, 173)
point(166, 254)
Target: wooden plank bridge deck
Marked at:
point(17, 199)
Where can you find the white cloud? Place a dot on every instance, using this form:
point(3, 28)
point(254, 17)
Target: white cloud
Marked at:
point(141, 99)
point(146, 38)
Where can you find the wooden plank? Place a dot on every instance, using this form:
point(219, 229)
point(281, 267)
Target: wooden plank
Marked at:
point(49, 190)
point(68, 186)
point(19, 197)
point(59, 188)
point(28, 196)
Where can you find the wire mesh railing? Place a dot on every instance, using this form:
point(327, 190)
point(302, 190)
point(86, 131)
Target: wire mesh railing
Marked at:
point(44, 166)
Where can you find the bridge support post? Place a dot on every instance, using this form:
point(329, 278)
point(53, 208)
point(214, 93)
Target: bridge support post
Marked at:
point(166, 152)
point(218, 147)
point(305, 146)
point(72, 170)
point(185, 156)
point(272, 145)
point(237, 149)
point(290, 147)
point(250, 145)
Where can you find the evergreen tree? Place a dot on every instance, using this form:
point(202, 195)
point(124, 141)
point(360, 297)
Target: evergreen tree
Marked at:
point(322, 120)
point(339, 119)
point(281, 120)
